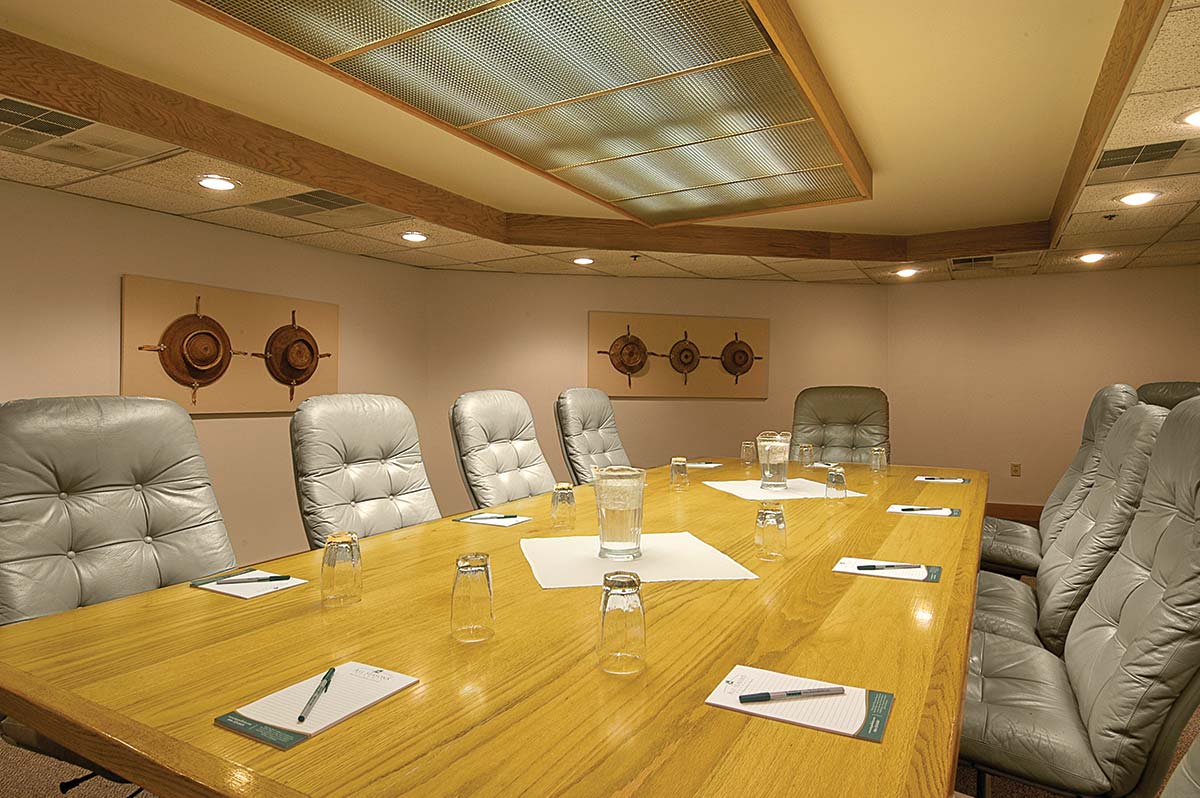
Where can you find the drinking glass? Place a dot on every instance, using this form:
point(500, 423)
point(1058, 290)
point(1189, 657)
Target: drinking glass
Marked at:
point(471, 619)
point(879, 459)
point(804, 454)
point(619, 494)
point(622, 646)
point(562, 506)
point(835, 483)
point(748, 453)
point(341, 570)
point(679, 474)
point(770, 531)
point(773, 459)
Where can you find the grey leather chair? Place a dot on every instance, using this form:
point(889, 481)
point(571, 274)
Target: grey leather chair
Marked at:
point(1104, 719)
point(358, 467)
point(497, 448)
point(1185, 781)
point(100, 497)
point(587, 431)
point(1088, 541)
point(1010, 547)
point(1167, 394)
point(842, 422)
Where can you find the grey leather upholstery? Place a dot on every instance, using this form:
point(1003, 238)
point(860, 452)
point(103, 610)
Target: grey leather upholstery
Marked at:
point(1014, 548)
point(497, 448)
point(1167, 394)
point(1087, 543)
point(1099, 720)
point(842, 422)
point(587, 430)
point(358, 467)
point(1185, 781)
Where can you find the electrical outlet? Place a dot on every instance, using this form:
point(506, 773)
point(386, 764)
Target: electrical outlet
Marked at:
point(1014, 469)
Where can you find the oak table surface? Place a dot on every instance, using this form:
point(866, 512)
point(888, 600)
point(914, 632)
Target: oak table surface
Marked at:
point(136, 683)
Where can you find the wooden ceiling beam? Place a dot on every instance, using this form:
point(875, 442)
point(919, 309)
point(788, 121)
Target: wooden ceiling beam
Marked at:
point(1024, 237)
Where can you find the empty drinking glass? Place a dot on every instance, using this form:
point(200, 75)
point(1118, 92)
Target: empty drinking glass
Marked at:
point(879, 459)
point(835, 483)
point(622, 646)
point(562, 506)
point(804, 454)
point(748, 453)
point(770, 531)
point(341, 570)
point(773, 459)
point(471, 619)
point(619, 493)
point(679, 474)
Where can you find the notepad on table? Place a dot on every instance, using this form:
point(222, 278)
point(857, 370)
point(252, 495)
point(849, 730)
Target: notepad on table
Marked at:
point(246, 590)
point(823, 464)
point(273, 719)
point(922, 573)
point(753, 490)
point(918, 509)
point(949, 480)
point(857, 713)
point(494, 519)
point(703, 464)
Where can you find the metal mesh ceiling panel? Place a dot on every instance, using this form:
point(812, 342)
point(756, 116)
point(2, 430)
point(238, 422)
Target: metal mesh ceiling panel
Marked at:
point(531, 53)
point(724, 100)
point(750, 155)
point(325, 28)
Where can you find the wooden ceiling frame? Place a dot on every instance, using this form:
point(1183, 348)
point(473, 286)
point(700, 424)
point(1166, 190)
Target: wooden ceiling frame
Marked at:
point(70, 83)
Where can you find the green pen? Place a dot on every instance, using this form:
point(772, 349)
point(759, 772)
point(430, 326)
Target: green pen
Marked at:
point(751, 698)
point(321, 690)
point(251, 579)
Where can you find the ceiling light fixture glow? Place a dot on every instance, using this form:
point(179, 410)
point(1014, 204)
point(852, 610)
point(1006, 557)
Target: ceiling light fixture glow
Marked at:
point(1192, 118)
point(906, 272)
point(1092, 257)
point(1138, 197)
point(217, 182)
point(414, 236)
point(583, 261)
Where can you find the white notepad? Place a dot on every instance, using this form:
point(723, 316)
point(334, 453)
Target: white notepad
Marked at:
point(912, 510)
point(251, 589)
point(752, 490)
point(666, 557)
point(926, 573)
point(823, 464)
point(858, 713)
point(950, 480)
point(490, 519)
point(704, 465)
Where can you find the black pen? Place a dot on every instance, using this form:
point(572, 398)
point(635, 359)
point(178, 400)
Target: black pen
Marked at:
point(919, 509)
point(491, 516)
point(249, 579)
point(322, 688)
point(750, 698)
point(888, 566)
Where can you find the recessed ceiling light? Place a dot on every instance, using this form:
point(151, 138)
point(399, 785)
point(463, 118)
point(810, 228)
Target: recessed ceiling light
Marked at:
point(583, 261)
point(1138, 197)
point(1192, 118)
point(217, 182)
point(1092, 257)
point(414, 236)
point(906, 272)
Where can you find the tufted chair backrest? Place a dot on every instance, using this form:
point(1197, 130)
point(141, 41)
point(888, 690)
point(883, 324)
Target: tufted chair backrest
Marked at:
point(1135, 644)
point(587, 430)
point(358, 467)
point(842, 422)
point(1167, 394)
point(101, 497)
point(497, 447)
point(1091, 537)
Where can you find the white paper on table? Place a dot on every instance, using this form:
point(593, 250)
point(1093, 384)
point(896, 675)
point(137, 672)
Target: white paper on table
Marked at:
point(252, 589)
point(666, 557)
point(820, 464)
point(796, 489)
point(951, 480)
point(491, 519)
point(849, 565)
point(899, 508)
point(857, 713)
point(704, 465)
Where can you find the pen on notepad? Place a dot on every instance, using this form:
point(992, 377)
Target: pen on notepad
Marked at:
point(919, 509)
point(887, 566)
point(490, 516)
point(940, 479)
point(322, 688)
point(247, 580)
point(750, 698)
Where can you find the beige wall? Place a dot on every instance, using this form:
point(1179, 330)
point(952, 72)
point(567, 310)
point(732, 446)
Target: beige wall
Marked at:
point(975, 370)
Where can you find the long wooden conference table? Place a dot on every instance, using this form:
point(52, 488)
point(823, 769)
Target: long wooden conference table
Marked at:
point(135, 684)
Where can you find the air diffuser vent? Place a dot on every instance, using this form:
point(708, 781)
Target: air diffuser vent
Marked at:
point(1150, 160)
point(980, 260)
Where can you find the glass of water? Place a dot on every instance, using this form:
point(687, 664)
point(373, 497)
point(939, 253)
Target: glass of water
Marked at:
point(679, 473)
point(804, 454)
point(770, 531)
point(879, 459)
point(748, 453)
point(471, 618)
point(619, 494)
point(773, 459)
point(835, 483)
point(622, 646)
point(562, 506)
point(341, 570)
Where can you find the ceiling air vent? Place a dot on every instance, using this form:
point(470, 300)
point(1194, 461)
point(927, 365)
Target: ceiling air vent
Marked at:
point(1150, 160)
point(327, 208)
point(968, 264)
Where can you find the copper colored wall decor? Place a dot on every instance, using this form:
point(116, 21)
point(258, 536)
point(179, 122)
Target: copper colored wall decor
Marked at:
point(661, 355)
point(203, 356)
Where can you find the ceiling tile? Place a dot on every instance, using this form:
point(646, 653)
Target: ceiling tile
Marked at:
point(37, 171)
point(419, 258)
point(341, 241)
point(837, 276)
point(621, 263)
point(546, 250)
point(930, 272)
point(1163, 261)
point(479, 249)
point(1183, 232)
point(179, 172)
point(1016, 260)
point(1112, 238)
point(1064, 260)
point(1193, 217)
point(1174, 59)
point(1154, 118)
point(128, 192)
point(801, 265)
point(436, 235)
point(536, 264)
point(1186, 250)
point(257, 221)
point(985, 273)
point(1185, 4)
point(1172, 189)
point(1128, 219)
point(723, 266)
point(360, 215)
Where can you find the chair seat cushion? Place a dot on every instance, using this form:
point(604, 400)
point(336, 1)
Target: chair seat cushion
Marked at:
point(1021, 717)
point(1010, 546)
point(1006, 606)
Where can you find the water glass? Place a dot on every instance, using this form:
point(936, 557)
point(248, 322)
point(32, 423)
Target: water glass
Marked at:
point(879, 459)
point(770, 531)
point(622, 646)
point(341, 570)
point(471, 618)
point(773, 459)
point(835, 483)
point(562, 506)
point(619, 494)
point(679, 474)
point(804, 454)
point(748, 453)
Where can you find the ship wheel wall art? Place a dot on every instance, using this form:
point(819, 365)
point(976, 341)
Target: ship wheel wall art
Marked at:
point(669, 355)
point(219, 351)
